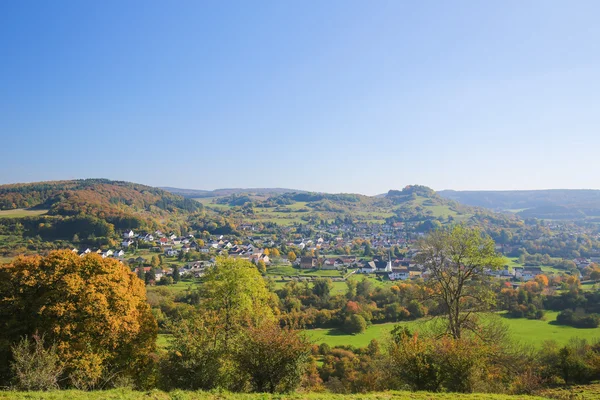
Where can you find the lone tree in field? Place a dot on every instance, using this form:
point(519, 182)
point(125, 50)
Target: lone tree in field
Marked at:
point(457, 259)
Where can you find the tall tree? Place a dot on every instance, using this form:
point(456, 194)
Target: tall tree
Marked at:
point(456, 259)
point(237, 293)
point(93, 309)
point(176, 274)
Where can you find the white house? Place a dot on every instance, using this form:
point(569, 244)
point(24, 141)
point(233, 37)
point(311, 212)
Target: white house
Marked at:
point(148, 238)
point(171, 252)
point(128, 235)
point(528, 273)
point(107, 253)
point(399, 274)
point(127, 243)
point(367, 268)
point(329, 264)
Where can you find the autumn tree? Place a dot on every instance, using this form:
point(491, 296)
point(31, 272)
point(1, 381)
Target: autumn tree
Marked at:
point(542, 280)
point(274, 358)
point(275, 252)
point(94, 310)
point(457, 259)
point(291, 256)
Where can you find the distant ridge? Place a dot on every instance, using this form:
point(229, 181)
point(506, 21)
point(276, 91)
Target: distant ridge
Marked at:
point(197, 193)
point(546, 204)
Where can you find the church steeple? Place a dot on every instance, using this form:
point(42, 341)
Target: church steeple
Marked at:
point(388, 267)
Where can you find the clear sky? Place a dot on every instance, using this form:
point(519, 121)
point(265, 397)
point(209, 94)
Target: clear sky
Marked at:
point(335, 96)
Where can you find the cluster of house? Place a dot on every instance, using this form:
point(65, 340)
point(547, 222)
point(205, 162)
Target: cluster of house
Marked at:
point(195, 269)
point(118, 254)
point(394, 269)
point(164, 242)
point(398, 269)
point(338, 244)
point(520, 273)
point(582, 263)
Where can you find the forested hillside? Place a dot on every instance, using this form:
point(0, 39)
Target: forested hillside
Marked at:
point(91, 196)
point(90, 209)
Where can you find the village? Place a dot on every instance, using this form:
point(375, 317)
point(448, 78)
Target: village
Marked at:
point(385, 252)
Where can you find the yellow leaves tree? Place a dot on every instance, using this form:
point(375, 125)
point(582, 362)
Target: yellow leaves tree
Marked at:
point(542, 280)
point(93, 309)
point(291, 256)
point(274, 252)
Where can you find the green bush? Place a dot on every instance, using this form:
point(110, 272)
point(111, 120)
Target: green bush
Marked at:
point(355, 324)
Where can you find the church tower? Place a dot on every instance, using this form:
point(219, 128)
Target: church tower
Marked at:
point(388, 267)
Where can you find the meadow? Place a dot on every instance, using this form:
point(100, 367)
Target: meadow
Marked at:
point(527, 332)
point(21, 213)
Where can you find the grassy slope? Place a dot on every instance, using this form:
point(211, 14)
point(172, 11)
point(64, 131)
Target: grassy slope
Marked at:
point(20, 213)
point(183, 395)
point(529, 332)
point(368, 209)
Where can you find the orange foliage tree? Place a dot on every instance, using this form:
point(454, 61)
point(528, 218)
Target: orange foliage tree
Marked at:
point(94, 310)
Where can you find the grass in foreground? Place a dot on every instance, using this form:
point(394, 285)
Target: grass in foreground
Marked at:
point(184, 395)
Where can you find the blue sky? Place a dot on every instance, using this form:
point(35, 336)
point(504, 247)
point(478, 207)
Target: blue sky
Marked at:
point(335, 96)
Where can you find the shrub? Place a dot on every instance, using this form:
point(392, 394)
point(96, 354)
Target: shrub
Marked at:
point(568, 317)
point(273, 358)
point(35, 367)
point(324, 349)
point(194, 357)
point(355, 324)
point(416, 309)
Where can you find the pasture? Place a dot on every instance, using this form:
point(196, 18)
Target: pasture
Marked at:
point(21, 213)
point(527, 332)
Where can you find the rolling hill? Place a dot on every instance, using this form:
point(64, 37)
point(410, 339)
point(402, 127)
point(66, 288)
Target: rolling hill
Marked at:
point(413, 204)
point(198, 193)
point(87, 208)
point(561, 204)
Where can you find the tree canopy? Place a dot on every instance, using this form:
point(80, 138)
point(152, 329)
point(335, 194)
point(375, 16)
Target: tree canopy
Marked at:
point(93, 309)
point(457, 259)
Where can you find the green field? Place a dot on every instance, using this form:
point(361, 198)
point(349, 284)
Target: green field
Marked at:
point(162, 340)
point(288, 270)
point(126, 394)
point(514, 262)
point(21, 212)
point(176, 288)
point(527, 332)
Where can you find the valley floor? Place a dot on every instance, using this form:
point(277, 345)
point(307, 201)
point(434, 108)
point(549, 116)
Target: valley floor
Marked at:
point(525, 331)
